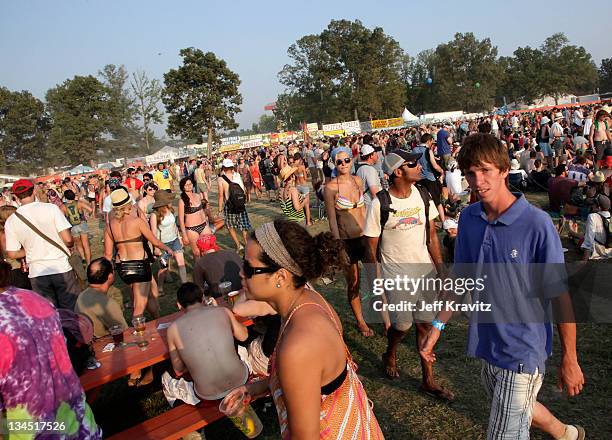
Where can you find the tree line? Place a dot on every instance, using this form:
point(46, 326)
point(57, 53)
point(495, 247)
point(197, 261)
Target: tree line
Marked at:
point(351, 72)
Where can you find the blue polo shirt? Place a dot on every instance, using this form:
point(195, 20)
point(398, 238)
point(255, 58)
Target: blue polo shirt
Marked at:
point(442, 142)
point(521, 258)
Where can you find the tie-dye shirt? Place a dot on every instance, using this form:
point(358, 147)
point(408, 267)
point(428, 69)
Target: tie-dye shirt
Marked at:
point(37, 381)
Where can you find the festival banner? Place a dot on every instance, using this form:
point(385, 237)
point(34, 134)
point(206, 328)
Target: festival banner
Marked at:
point(388, 123)
point(229, 147)
point(313, 126)
point(333, 127)
point(252, 144)
point(339, 132)
point(351, 127)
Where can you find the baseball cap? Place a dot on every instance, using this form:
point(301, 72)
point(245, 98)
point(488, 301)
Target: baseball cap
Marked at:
point(366, 150)
point(227, 163)
point(22, 185)
point(394, 160)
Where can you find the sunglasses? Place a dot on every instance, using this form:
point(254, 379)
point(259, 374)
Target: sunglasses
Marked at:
point(346, 160)
point(410, 164)
point(249, 270)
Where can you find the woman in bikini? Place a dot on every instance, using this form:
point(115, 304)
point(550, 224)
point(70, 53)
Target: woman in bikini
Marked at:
point(346, 212)
point(301, 183)
point(194, 215)
point(257, 181)
point(128, 234)
point(313, 378)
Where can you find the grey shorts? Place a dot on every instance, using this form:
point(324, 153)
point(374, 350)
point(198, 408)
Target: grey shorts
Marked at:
point(303, 189)
point(81, 229)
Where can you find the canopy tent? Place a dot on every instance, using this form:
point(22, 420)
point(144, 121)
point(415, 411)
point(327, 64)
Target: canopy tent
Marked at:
point(80, 169)
point(165, 154)
point(108, 165)
point(408, 117)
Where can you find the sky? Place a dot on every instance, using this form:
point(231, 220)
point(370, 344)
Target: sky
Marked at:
point(43, 43)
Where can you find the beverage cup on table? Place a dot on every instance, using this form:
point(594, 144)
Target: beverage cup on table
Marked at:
point(242, 414)
point(116, 332)
point(141, 341)
point(140, 324)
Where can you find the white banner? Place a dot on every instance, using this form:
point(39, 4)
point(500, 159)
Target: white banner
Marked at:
point(312, 127)
point(332, 127)
point(252, 144)
point(351, 127)
point(230, 140)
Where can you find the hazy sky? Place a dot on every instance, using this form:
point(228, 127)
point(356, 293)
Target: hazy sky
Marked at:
point(42, 43)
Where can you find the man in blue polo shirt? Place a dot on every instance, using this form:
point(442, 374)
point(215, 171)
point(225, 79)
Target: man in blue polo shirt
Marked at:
point(444, 141)
point(516, 249)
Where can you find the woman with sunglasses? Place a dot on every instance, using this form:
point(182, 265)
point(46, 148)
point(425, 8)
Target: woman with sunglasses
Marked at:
point(313, 381)
point(194, 215)
point(346, 210)
point(145, 204)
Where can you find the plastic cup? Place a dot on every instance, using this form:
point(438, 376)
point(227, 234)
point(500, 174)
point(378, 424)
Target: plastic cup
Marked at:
point(140, 324)
point(242, 415)
point(116, 332)
point(232, 297)
point(224, 288)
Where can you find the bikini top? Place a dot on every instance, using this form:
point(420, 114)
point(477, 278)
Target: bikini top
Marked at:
point(193, 209)
point(344, 203)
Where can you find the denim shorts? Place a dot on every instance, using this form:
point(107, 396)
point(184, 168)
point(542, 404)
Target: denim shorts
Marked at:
point(175, 245)
point(80, 229)
point(545, 147)
point(303, 189)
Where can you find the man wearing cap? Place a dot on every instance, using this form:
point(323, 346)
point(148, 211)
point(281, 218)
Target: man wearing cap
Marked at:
point(407, 247)
point(233, 220)
point(368, 174)
point(216, 266)
point(50, 272)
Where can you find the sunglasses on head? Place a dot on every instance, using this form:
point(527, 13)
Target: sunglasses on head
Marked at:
point(249, 270)
point(346, 160)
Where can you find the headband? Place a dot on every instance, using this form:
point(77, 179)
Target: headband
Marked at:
point(270, 241)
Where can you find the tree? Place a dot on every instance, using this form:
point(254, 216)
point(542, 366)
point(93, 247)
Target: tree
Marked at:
point(122, 111)
point(524, 79)
point(148, 94)
point(24, 127)
point(566, 68)
point(347, 72)
point(605, 75)
point(81, 113)
point(201, 95)
point(466, 73)
point(418, 90)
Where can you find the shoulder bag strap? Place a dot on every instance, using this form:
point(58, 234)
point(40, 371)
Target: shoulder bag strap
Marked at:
point(37, 231)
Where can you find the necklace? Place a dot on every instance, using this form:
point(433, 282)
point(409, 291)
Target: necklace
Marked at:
point(293, 303)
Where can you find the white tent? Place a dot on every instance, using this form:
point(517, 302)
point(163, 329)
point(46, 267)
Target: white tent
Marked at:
point(165, 154)
point(80, 169)
point(407, 116)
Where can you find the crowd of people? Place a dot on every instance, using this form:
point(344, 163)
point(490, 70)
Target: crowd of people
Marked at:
point(397, 202)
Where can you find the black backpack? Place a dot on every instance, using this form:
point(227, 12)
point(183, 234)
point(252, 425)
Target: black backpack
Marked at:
point(236, 200)
point(385, 208)
point(607, 226)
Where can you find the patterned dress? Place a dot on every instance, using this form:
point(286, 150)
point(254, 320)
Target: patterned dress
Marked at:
point(345, 414)
point(37, 381)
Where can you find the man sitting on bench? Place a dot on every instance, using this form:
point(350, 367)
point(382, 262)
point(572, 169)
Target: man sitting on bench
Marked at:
point(201, 343)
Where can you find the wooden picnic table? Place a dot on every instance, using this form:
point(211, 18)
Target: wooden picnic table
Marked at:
point(122, 361)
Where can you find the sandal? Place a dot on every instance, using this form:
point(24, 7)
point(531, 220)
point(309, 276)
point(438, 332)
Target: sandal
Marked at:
point(438, 393)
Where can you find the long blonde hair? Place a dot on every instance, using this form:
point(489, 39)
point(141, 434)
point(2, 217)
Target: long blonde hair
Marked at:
point(122, 211)
point(5, 212)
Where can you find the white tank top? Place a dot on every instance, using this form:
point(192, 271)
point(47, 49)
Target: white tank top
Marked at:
point(167, 228)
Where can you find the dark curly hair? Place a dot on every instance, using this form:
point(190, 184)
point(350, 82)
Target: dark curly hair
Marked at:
point(317, 256)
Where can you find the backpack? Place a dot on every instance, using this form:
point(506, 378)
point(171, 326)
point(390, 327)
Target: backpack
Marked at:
point(236, 200)
point(78, 332)
point(73, 215)
point(385, 208)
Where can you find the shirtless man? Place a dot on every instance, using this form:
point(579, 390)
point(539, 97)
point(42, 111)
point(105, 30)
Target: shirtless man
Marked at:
point(201, 343)
point(599, 135)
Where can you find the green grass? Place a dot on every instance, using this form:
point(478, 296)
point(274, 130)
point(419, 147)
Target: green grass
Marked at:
point(402, 412)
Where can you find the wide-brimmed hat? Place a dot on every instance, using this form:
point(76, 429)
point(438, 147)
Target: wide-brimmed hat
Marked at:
point(286, 172)
point(598, 177)
point(514, 164)
point(120, 197)
point(545, 120)
point(558, 115)
point(607, 109)
point(162, 198)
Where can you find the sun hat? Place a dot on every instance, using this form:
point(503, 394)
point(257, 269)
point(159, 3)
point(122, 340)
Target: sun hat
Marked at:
point(286, 172)
point(162, 198)
point(227, 163)
point(395, 160)
point(558, 115)
point(598, 177)
point(545, 120)
point(206, 243)
point(366, 150)
point(120, 197)
point(514, 164)
point(21, 186)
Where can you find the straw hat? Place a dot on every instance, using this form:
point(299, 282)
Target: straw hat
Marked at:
point(558, 115)
point(120, 197)
point(598, 177)
point(162, 198)
point(286, 172)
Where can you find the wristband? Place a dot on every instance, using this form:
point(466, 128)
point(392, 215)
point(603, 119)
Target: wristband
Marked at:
point(436, 323)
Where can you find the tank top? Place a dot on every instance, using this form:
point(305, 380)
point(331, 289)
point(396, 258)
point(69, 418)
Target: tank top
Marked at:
point(167, 228)
point(290, 211)
point(345, 413)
